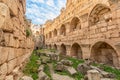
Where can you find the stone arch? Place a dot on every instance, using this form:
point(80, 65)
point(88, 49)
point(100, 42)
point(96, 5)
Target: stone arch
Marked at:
point(75, 24)
point(63, 49)
point(55, 46)
point(55, 32)
point(99, 13)
point(104, 53)
point(50, 47)
point(63, 30)
point(46, 46)
point(76, 51)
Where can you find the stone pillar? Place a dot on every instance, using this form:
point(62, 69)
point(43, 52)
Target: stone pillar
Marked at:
point(85, 52)
point(67, 28)
point(58, 49)
point(68, 48)
point(58, 32)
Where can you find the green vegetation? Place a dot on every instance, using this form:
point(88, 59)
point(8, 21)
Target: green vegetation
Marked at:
point(75, 62)
point(41, 51)
point(46, 50)
point(28, 32)
point(109, 69)
point(31, 69)
point(47, 71)
point(78, 76)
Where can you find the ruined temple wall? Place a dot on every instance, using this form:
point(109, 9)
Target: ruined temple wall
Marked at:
point(80, 9)
point(15, 47)
point(88, 35)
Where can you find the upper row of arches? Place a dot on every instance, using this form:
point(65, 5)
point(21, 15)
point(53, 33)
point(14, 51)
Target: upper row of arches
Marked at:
point(100, 13)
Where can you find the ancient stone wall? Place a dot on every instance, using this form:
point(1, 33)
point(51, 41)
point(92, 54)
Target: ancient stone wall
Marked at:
point(91, 25)
point(15, 47)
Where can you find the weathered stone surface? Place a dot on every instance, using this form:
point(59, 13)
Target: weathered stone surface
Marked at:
point(43, 76)
point(11, 65)
point(83, 68)
point(93, 75)
point(4, 13)
point(71, 70)
point(26, 78)
point(2, 77)
point(3, 69)
point(107, 75)
point(12, 5)
point(54, 57)
point(61, 77)
point(14, 48)
point(45, 59)
point(11, 54)
point(60, 67)
point(10, 77)
point(87, 30)
point(66, 62)
point(41, 68)
point(3, 54)
point(107, 79)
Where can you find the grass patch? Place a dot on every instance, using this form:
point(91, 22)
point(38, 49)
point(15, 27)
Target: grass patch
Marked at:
point(46, 50)
point(78, 76)
point(31, 69)
point(41, 50)
point(109, 69)
point(75, 62)
point(47, 71)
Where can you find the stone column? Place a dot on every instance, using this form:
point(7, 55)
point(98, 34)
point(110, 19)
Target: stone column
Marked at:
point(68, 48)
point(85, 52)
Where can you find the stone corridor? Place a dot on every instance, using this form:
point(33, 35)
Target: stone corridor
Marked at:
point(84, 30)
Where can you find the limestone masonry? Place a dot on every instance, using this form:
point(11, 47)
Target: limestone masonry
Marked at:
point(15, 47)
point(87, 29)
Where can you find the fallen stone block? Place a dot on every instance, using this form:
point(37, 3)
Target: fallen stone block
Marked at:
point(71, 70)
point(41, 68)
point(26, 78)
point(83, 68)
point(93, 75)
point(66, 62)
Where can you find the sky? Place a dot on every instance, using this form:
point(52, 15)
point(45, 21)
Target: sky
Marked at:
point(39, 11)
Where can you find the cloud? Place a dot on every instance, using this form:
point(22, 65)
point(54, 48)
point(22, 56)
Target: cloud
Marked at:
point(41, 1)
point(39, 11)
point(50, 2)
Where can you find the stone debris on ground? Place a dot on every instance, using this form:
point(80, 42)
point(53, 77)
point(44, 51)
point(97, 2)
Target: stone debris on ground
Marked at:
point(54, 57)
point(42, 76)
point(83, 68)
point(45, 59)
point(66, 62)
point(61, 77)
point(90, 72)
point(26, 78)
point(93, 75)
point(41, 68)
point(60, 67)
point(71, 70)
